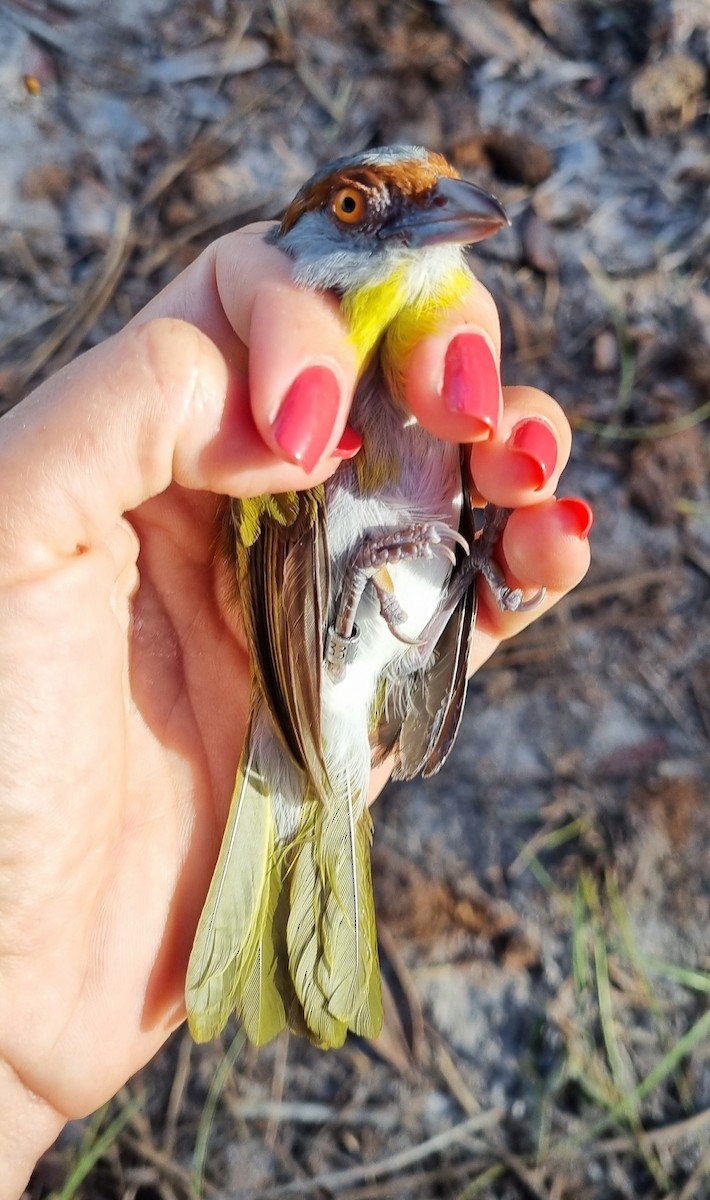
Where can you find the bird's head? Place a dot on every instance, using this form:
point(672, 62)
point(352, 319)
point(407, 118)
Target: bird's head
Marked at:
point(386, 229)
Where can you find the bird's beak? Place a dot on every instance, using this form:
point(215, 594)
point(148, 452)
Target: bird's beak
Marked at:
point(453, 211)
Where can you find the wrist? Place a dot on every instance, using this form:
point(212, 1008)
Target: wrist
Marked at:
point(28, 1126)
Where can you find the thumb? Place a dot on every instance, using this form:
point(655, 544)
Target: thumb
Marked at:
point(156, 403)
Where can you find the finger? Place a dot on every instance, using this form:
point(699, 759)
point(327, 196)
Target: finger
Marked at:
point(154, 404)
point(522, 461)
point(543, 546)
point(301, 365)
point(453, 375)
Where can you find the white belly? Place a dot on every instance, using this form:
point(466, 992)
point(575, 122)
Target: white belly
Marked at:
point(429, 490)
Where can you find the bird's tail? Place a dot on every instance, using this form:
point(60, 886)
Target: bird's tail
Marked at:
point(233, 964)
point(287, 935)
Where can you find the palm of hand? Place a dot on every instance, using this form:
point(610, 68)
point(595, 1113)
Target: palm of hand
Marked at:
point(121, 808)
point(120, 740)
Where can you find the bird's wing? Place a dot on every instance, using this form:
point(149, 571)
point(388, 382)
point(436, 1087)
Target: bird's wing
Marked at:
point(283, 579)
point(431, 705)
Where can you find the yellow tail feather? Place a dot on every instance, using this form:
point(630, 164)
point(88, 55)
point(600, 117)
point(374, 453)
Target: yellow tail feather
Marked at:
point(287, 936)
point(304, 937)
point(232, 914)
point(257, 998)
point(349, 969)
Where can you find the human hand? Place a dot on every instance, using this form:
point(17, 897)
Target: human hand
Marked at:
point(123, 684)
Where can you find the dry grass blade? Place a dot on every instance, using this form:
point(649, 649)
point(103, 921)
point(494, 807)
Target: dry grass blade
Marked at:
point(620, 1066)
point(278, 1084)
point(417, 1181)
point(209, 60)
point(177, 1093)
point(336, 106)
point(338, 1181)
point(401, 1041)
point(309, 1112)
point(205, 149)
point(165, 1163)
point(665, 1135)
point(670, 1061)
point(452, 1076)
point(71, 329)
point(599, 593)
point(700, 1175)
point(646, 433)
point(477, 1185)
point(530, 1180)
point(233, 211)
point(35, 324)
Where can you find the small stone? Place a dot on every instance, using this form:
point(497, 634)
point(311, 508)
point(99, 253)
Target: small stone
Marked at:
point(606, 352)
point(539, 244)
point(562, 23)
point(218, 185)
point(46, 181)
point(90, 211)
point(665, 94)
point(469, 153)
point(179, 212)
point(563, 201)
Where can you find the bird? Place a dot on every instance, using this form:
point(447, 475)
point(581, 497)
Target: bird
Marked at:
point(358, 603)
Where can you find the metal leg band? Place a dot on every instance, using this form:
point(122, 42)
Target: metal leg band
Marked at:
point(340, 651)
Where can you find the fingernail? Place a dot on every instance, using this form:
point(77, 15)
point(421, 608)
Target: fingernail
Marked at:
point(349, 443)
point(535, 441)
point(305, 420)
point(578, 516)
point(471, 384)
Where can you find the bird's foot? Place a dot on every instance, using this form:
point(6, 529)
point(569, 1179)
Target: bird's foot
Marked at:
point(481, 562)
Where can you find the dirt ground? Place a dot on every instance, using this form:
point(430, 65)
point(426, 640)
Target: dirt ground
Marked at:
point(544, 903)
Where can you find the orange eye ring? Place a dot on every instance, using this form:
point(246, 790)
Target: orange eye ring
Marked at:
point(349, 205)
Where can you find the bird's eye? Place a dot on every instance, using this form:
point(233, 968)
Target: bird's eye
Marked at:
point(349, 205)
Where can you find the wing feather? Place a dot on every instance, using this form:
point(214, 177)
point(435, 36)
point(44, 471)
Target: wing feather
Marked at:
point(284, 588)
point(349, 968)
point(233, 908)
point(304, 935)
point(431, 701)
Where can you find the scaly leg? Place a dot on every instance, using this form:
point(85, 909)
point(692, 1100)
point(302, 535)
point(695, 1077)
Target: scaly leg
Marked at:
point(480, 561)
point(379, 549)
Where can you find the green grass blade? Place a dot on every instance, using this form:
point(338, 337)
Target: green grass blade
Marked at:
point(93, 1147)
point(204, 1128)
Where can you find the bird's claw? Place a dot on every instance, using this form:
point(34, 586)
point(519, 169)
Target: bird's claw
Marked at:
point(509, 600)
point(512, 599)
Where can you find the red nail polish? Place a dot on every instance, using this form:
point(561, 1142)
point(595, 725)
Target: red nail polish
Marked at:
point(471, 383)
point(305, 420)
point(578, 516)
point(535, 441)
point(349, 443)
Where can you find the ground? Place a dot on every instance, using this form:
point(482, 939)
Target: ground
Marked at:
point(544, 902)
